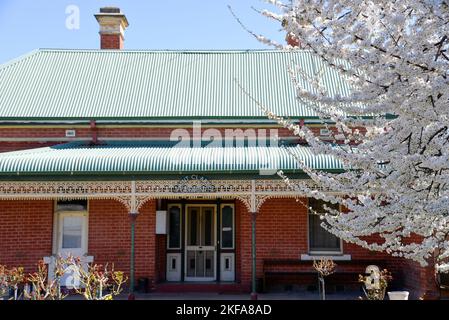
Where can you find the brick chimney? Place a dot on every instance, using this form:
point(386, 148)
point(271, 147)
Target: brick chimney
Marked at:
point(112, 28)
point(292, 40)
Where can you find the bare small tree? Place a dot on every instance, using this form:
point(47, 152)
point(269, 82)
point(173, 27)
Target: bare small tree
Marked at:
point(98, 282)
point(4, 287)
point(16, 279)
point(40, 287)
point(324, 267)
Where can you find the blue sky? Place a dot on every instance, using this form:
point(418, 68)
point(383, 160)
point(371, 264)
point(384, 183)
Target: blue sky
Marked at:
point(167, 24)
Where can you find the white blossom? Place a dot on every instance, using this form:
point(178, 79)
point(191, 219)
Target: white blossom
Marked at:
point(395, 56)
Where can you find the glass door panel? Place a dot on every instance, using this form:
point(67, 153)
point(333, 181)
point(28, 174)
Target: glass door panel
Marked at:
point(200, 243)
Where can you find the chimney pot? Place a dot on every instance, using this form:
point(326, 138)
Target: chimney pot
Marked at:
point(112, 27)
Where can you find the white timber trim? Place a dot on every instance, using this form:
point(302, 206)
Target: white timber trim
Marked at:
point(335, 257)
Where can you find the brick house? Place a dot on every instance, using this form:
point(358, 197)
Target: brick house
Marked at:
point(105, 154)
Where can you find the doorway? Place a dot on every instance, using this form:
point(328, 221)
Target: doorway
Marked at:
point(200, 249)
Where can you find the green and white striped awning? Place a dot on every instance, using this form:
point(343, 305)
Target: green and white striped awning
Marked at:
point(112, 158)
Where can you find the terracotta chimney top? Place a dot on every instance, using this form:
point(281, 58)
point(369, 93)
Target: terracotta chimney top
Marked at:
point(112, 27)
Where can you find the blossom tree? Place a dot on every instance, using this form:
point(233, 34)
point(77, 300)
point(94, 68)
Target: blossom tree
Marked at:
point(390, 130)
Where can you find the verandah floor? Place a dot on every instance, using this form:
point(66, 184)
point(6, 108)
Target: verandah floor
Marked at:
point(353, 295)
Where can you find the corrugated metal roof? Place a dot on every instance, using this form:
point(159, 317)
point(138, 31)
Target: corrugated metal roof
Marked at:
point(157, 158)
point(103, 84)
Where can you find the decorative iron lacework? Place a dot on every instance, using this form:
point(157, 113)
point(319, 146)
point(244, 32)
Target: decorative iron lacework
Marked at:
point(194, 184)
point(134, 194)
point(219, 186)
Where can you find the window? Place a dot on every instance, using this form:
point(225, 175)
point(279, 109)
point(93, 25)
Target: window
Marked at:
point(72, 232)
point(227, 265)
point(200, 226)
point(174, 227)
point(325, 132)
point(319, 239)
point(193, 233)
point(227, 226)
point(70, 228)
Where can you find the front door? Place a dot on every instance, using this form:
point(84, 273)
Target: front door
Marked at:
point(200, 254)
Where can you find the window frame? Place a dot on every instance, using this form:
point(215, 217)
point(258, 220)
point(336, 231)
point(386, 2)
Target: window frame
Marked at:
point(57, 231)
point(321, 252)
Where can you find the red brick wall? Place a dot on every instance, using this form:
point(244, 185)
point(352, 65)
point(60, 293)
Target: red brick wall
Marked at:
point(420, 280)
point(37, 132)
point(111, 41)
point(18, 145)
point(45, 134)
point(239, 210)
point(282, 234)
point(119, 131)
point(26, 234)
point(27, 227)
point(26, 231)
point(146, 241)
point(110, 236)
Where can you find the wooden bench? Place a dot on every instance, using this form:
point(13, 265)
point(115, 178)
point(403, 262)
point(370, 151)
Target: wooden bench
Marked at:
point(308, 275)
